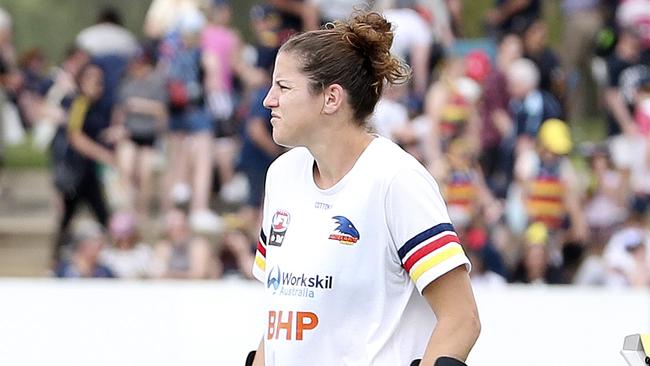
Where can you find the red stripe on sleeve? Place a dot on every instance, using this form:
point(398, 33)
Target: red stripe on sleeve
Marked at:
point(261, 249)
point(438, 243)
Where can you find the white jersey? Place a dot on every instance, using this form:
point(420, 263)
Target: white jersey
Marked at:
point(343, 266)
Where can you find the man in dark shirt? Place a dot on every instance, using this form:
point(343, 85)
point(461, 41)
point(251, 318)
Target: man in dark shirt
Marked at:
point(624, 70)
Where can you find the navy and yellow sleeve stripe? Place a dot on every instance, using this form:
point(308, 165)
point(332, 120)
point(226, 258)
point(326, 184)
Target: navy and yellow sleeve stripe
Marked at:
point(432, 253)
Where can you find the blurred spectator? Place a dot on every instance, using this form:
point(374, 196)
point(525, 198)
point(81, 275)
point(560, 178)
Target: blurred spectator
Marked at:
point(536, 49)
point(464, 188)
point(511, 16)
point(536, 265)
point(163, 16)
point(258, 151)
point(111, 46)
point(84, 261)
point(59, 90)
point(624, 70)
point(238, 245)
point(32, 64)
point(492, 107)
point(265, 23)
point(139, 119)
point(295, 16)
point(440, 16)
point(636, 14)
point(182, 254)
point(191, 127)
point(390, 114)
point(631, 152)
point(412, 41)
point(127, 256)
point(451, 108)
point(551, 192)
point(606, 206)
point(626, 255)
point(221, 47)
point(529, 105)
point(632, 155)
point(582, 19)
point(528, 108)
point(76, 169)
point(107, 36)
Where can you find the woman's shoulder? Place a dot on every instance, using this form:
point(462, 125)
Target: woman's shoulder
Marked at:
point(392, 157)
point(388, 161)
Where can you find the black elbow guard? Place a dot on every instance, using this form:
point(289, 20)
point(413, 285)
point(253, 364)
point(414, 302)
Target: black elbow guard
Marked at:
point(448, 361)
point(442, 361)
point(250, 358)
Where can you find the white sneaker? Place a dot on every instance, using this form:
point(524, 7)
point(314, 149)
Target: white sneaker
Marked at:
point(181, 193)
point(206, 222)
point(236, 190)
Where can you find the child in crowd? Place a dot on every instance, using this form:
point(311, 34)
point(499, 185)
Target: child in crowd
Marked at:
point(127, 257)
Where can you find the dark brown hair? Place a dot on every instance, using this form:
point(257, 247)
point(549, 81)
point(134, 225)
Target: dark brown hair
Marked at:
point(354, 54)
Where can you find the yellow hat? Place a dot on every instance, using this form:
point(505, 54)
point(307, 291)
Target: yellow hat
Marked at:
point(555, 136)
point(536, 234)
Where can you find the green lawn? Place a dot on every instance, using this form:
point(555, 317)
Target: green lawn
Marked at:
point(25, 155)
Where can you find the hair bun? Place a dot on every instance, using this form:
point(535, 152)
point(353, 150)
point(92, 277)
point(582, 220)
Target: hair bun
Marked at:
point(372, 35)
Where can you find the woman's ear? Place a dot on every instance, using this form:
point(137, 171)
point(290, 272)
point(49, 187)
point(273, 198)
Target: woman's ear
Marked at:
point(334, 96)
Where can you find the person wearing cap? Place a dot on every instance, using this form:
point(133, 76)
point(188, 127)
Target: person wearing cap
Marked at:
point(550, 187)
point(536, 265)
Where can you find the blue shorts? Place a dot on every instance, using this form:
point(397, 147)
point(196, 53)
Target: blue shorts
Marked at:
point(191, 121)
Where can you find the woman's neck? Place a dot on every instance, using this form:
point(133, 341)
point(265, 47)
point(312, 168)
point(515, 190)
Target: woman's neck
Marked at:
point(336, 154)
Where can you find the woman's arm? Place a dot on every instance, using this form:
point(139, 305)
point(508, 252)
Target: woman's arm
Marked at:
point(458, 326)
point(259, 355)
point(80, 141)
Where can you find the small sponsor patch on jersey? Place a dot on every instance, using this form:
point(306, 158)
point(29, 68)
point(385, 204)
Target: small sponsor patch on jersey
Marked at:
point(279, 226)
point(344, 232)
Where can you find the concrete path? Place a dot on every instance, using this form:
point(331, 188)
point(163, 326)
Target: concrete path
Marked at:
point(27, 222)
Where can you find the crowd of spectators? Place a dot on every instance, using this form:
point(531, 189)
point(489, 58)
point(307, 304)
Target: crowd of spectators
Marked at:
point(170, 129)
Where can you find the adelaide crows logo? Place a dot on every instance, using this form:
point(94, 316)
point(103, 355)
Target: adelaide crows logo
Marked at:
point(345, 232)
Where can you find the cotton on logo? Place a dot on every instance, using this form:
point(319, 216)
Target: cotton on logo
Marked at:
point(279, 320)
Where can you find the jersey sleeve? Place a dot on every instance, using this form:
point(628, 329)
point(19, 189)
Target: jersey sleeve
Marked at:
point(425, 240)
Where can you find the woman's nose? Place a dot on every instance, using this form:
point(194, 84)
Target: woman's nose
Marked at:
point(270, 100)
